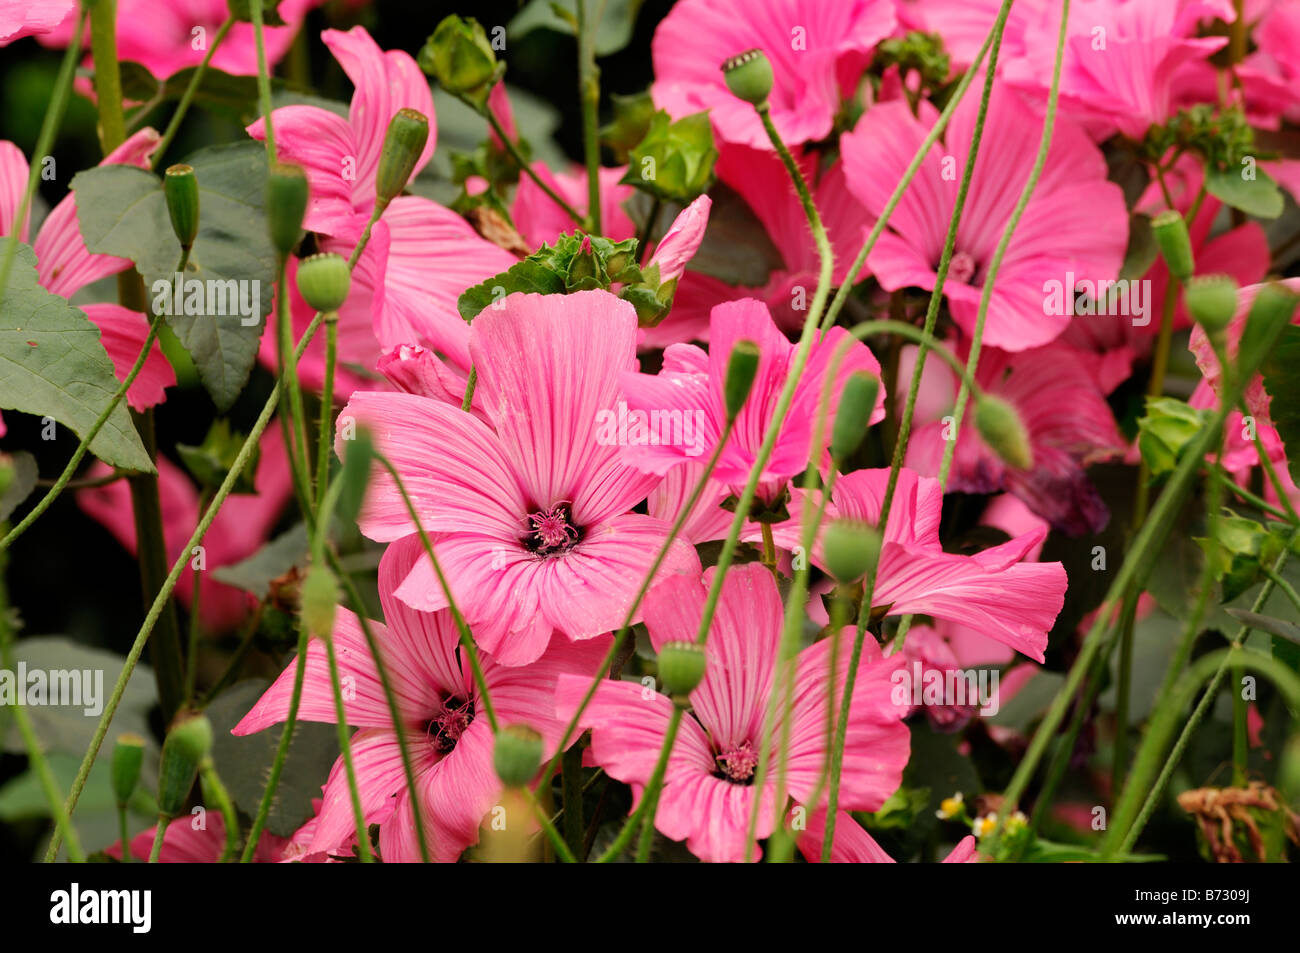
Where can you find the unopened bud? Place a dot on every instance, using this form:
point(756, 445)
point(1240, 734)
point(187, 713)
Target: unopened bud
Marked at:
point(853, 416)
point(742, 366)
point(181, 190)
point(286, 204)
point(187, 743)
point(517, 755)
point(319, 595)
point(1212, 301)
point(851, 549)
point(408, 131)
point(128, 757)
point(323, 281)
point(1001, 428)
point(1170, 233)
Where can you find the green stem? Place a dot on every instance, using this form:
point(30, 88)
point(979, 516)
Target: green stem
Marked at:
point(174, 125)
point(578, 218)
point(192, 647)
point(214, 790)
point(159, 832)
point(124, 831)
point(324, 441)
point(345, 746)
point(648, 808)
point(108, 77)
point(263, 75)
point(571, 780)
point(589, 93)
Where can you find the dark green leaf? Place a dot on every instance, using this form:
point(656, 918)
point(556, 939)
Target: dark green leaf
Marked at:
point(1258, 196)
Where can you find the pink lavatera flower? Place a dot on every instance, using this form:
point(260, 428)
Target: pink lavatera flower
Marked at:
point(996, 590)
point(1055, 391)
point(447, 730)
point(682, 240)
point(708, 789)
point(818, 50)
point(965, 24)
point(1052, 242)
point(166, 38)
point(240, 528)
point(420, 255)
point(182, 844)
point(64, 266)
point(20, 18)
point(540, 221)
point(532, 510)
point(854, 845)
point(1241, 456)
point(1124, 59)
point(691, 386)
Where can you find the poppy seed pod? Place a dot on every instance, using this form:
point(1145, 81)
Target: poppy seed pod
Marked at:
point(1002, 429)
point(286, 204)
point(181, 190)
point(187, 743)
point(128, 757)
point(681, 667)
point(323, 281)
point(749, 76)
point(851, 549)
point(319, 595)
point(408, 131)
point(742, 366)
point(517, 755)
point(1212, 301)
point(853, 416)
point(1170, 233)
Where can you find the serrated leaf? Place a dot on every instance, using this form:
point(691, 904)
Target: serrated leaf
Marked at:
point(529, 277)
point(233, 97)
point(122, 212)
point(53, 364)
point(1259, 196)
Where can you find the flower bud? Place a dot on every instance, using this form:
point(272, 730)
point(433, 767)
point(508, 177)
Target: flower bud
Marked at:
point(323, 281)
point(681, 667)
point(319, 599)
point(851, 549)
point(1270, 312)
point(1170, 233)
point(408, 131)
point(181, 190)
point(853, 416)
point(1002, 429)
point(286, 204)
point(742, 366)
point(459, 56)
point(128, 757)
point(1212, 301)
point(188, 741)
point(749, 76)
point(517, 755)
point(1168, 426)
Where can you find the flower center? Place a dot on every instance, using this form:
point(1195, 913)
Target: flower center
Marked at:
point(445, 728)
point(553, 531)
point(962, 267)
point(737, 763)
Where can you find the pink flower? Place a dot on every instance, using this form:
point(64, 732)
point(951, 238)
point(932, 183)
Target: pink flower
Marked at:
point(533, 509)
point(20, 18)
point(682, 240)
point(996, 591)
point(708, 789)
point(818, 50)
point(447, 732)
point(64, 266)
point(1124, 59)
point(540, 221)
point(1038, 384)
point(165, 38)
point(240, 528)
point(183, 844)
point(691, 385)
point(420, 256)
point(1052, 242)
point(853, 845)
point(964, 25)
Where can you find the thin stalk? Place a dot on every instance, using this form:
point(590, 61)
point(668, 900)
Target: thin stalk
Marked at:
point(589, 95)
point(578, 218)
point(216, 791)
point(263, 75)
point(159, 832)
point(108, 76)
point(182, 107)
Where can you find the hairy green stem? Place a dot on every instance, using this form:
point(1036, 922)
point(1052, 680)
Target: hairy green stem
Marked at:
point(182, 107)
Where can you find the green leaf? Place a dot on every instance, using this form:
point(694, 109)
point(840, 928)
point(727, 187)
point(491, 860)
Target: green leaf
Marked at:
point(277, 557)
point(122, 212)
point(1281, 371)
point(53, 364)
point(232, 97)
point(613, 32)
point(1259, 196)
point(21, 482)
point(528, 276)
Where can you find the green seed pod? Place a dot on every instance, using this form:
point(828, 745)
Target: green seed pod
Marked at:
point(742, 366)
point(851, 549)
point(681, 667)
point(749, 76)
point(1001, 428)
point(319, 600)
point(286, 204)
point(323, 281)
point(1170, 233)
point(408, 131)
point(517, 755)
point(1269, 314)
point(853, 416)
point(1212, 301)
point(459, 56)
point(188, 741)
point(181, 189)
point(128, 757)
